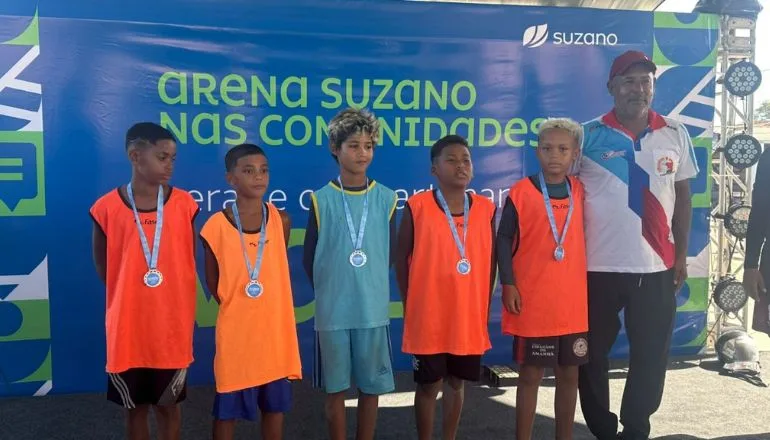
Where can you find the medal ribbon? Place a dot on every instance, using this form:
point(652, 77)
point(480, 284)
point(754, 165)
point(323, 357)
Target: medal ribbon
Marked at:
point(549, 210)
point(150, 258)
point(357, 241)
point(445, 207)
point(253, 273)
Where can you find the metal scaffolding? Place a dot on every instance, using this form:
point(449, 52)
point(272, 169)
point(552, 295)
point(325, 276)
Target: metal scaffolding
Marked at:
point(733, 115)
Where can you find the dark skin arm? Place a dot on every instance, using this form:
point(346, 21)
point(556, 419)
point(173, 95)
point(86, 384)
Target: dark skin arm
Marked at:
point(393, 238)
point(681, 229)
point(211, 269)
point(286, 220)
point(99, 250)
point(507, 246)
point(194, 234)
point(403, 252)
point(493, 275)
point(311, 240)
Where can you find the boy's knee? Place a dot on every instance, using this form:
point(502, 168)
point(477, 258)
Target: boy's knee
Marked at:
point(530, 376)
point(335, 398)
point(367, 397)
point(431, 389)
point(568, 375)
point(139, 412)
point(167, 411)
point(456, 384)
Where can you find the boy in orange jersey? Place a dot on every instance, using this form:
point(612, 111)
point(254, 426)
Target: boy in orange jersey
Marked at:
point(542, 261)
point(247, 272)
point(144, 251)
point(445, 270)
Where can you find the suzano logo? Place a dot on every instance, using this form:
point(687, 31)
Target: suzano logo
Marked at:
point(536, 36)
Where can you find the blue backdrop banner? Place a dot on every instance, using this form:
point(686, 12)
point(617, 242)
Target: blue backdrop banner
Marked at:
point(74, 77)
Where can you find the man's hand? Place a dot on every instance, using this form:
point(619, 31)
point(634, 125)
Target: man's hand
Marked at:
point(680, 273)
point(754, 283)
point(680, 228)
point(511, 299)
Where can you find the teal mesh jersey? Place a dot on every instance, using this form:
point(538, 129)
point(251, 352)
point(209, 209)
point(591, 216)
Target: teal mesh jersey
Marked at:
point(348, 297)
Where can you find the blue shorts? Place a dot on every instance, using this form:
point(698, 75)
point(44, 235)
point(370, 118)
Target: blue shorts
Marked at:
point(363, 354)
point(273, 397)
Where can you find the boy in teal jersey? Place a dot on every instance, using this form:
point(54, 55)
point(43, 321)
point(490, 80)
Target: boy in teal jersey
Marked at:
point(348, 253)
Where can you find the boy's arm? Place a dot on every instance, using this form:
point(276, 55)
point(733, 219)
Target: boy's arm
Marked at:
point(211, 270)
point(404, 251)
point(195, 211)
point(493, 276)
point(393, 235)
point(99, 250)
point(194, 244)
point(507, 243)
point(286, 220)
point(311, 241)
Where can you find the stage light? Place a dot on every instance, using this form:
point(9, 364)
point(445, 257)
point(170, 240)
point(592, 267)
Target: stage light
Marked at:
point(742, 151)
point(735, 8)
point(729, 294)
point(736, 220)
point(742, 78)
point(738, 354)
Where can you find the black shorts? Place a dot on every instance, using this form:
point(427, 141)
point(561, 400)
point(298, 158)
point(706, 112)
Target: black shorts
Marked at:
point(147, 386)
point(565, 350)
point(430, 368)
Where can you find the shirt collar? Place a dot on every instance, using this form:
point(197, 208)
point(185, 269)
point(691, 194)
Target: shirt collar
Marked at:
point(654, 122)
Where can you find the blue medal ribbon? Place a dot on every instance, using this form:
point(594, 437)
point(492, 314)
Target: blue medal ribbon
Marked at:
point(253, 272)
point(463, 266)
point(559, 252)
point(150, 257)
point(358, 257)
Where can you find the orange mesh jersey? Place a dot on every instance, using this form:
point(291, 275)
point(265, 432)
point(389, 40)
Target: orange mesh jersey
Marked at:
point(149, 327)
point(554, 295)
point(447, 312)
point(256, 338)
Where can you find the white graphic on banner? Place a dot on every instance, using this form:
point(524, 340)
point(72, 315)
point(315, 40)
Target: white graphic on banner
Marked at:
point(32, 286)
point(536, 36)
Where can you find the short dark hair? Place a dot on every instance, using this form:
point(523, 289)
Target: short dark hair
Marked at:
point(452, 139)
point(239, 151)
point(144, 134)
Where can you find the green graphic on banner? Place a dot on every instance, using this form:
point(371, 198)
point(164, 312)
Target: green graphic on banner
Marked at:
point(29, 299)
point(670, 61)
point(25, 302)
point(22, 175)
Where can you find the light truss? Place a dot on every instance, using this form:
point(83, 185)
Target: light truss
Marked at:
point(733, 116)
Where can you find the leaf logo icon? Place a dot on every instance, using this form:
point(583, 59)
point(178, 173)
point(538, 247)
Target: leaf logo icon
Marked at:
point(535, 36)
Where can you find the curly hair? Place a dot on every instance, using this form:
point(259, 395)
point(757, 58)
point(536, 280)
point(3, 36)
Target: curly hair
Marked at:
point(350, 122)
